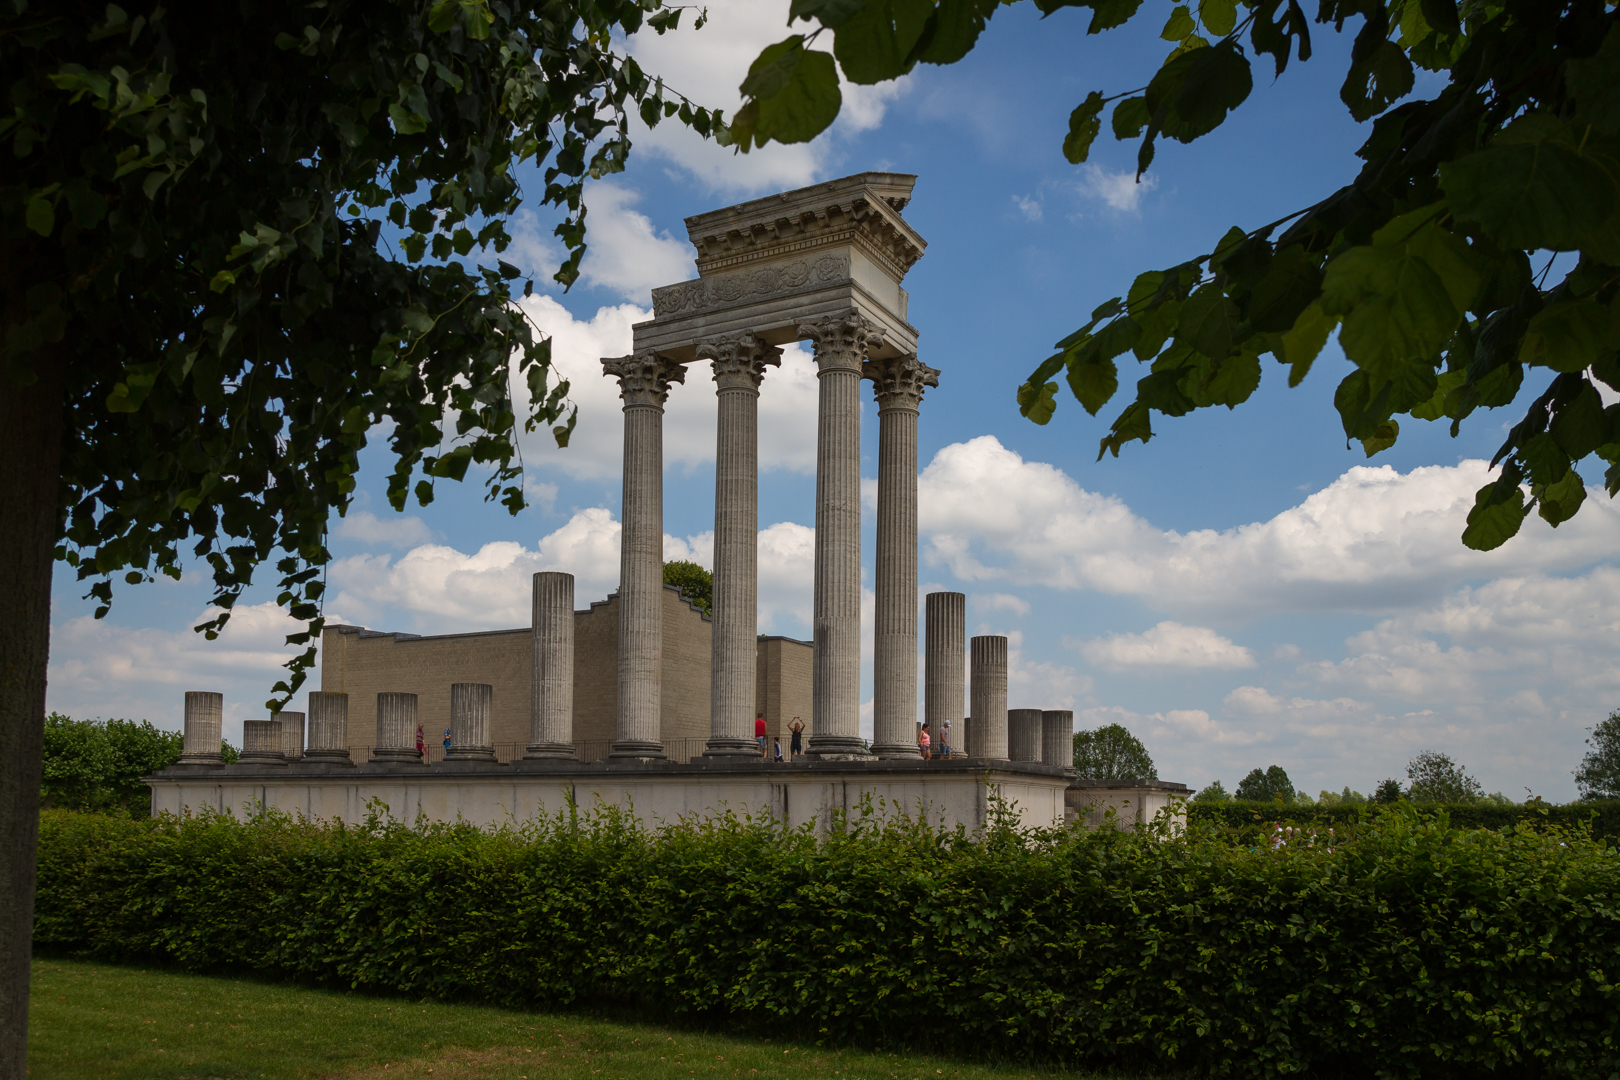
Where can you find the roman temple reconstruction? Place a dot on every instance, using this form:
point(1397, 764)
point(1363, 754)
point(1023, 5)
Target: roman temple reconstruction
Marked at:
point(640, 700)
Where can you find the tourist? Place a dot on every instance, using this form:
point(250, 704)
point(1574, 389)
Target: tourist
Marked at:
point(421, 743)
point(759, 732)
point(777, 744)
point(796, 747)
point(923, 741)
point(447, 740)
point(945, 749)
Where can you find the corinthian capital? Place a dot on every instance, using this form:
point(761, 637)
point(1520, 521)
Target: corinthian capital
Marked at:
point(644, 377)
point(842, 341)
point(739, 360)
point(898, 381)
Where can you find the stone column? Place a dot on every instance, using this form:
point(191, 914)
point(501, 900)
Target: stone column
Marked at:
point(1024, 734)
point(551, 684)
point(261, 743)
point(644, 380)
point(328, 728)
point(470, 707)
point(396, 729)
point(1057, 738)
point(292, 735)
point(841, 343)
point(205, 721)
point(987, 734)
point(944, 663)
point(739, 362)
point(898, 383)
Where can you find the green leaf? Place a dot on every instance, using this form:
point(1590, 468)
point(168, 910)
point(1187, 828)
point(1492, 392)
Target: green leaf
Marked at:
point(1377, 81)
point(957, 25)
point(1304, 341)
point(1208, 321)
point(1536, 194)
point(1084, 123)
point(1291, 284)
point(806, 103)
point(1435, 407)
point(1038, 401)
point(1179, 25)
point(1093, 381)
point(875, 43)
point(1579, 426)
point(1559, 501)
point(1218, 16)
point(1403, 296)
point(830, 13)
point(1568, 337)
point(1190, 95)
point(1107, 14)
point(1130, 117)
point(1594, 82)
point(222, 281)
point(405, 121)
point(1496, 516)
point(41, 216)
point(1382, 438)
point(1230, 381)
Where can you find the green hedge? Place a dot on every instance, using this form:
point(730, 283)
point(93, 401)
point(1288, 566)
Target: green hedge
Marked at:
point(1252, 820)
point(1416, 950)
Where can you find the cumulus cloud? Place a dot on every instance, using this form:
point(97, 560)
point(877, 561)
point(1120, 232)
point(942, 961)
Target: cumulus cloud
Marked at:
point(708, 65)
point(787, 401)
point(102, 669)
point(1119, 190)
point(1167, 645)
point(626, 254)
point(395, 530)
point(1374, 540)
point(1029, 206)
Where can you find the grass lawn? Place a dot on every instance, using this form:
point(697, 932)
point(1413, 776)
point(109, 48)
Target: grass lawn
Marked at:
point(107, 1022)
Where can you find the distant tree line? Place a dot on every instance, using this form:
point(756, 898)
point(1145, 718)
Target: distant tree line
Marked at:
point(98, 765)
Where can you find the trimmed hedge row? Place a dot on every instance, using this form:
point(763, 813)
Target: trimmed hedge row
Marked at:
point(1254, 819)
point(1416, 950)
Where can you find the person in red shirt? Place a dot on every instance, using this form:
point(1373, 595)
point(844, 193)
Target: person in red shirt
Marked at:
point(759, 732)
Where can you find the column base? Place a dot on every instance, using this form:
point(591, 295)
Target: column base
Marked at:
point(470, 753)
point(326, 757)
point(897, 750)
point(550, 752)
point(261, 759)
point(736, 749)
point(215, 758)
point(838, 748)
point(397, 755)
point(637, 750)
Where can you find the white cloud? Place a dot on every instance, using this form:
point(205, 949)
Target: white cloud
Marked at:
point(101, 669)
point(787, 571)
point(396, 531)
point(707, 66)
point(787, 401)
point(625, 254)
point(1029, 206)
point(1375, 540)
point(1003, 602)
point(1167, 645)
point(1119, 190)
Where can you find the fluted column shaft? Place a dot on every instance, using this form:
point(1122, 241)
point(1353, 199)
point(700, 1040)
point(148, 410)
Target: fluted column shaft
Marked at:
point(1024, 734)
point(944, 664)
point(898, 382)
point(396, 729)
point(987, 731)
point(261, 743)
point(644, 380)
point(841, 342)
point(292, 735)
point(551, 684)
point(205, 718)
point(328, 728)
point(739, 362)
point(471, 705)
point(1057, 738)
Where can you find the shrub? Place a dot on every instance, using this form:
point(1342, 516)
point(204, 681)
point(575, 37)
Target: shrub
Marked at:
point(96, 765)
point(1419, 949)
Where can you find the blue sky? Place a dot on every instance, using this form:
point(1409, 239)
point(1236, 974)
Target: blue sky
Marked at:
point(1244, 590)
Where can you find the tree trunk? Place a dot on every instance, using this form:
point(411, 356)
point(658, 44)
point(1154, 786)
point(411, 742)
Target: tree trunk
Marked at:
point(31, 418)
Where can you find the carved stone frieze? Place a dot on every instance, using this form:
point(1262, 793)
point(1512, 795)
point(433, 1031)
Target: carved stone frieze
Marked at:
point(898, 381)
point(758, 284)
point(644, 377)
point(739, 360)
point(841, 341)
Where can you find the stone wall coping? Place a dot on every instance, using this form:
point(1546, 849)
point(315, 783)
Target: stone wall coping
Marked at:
point(400, 635)
point(1169, 786)
point(456, 772)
